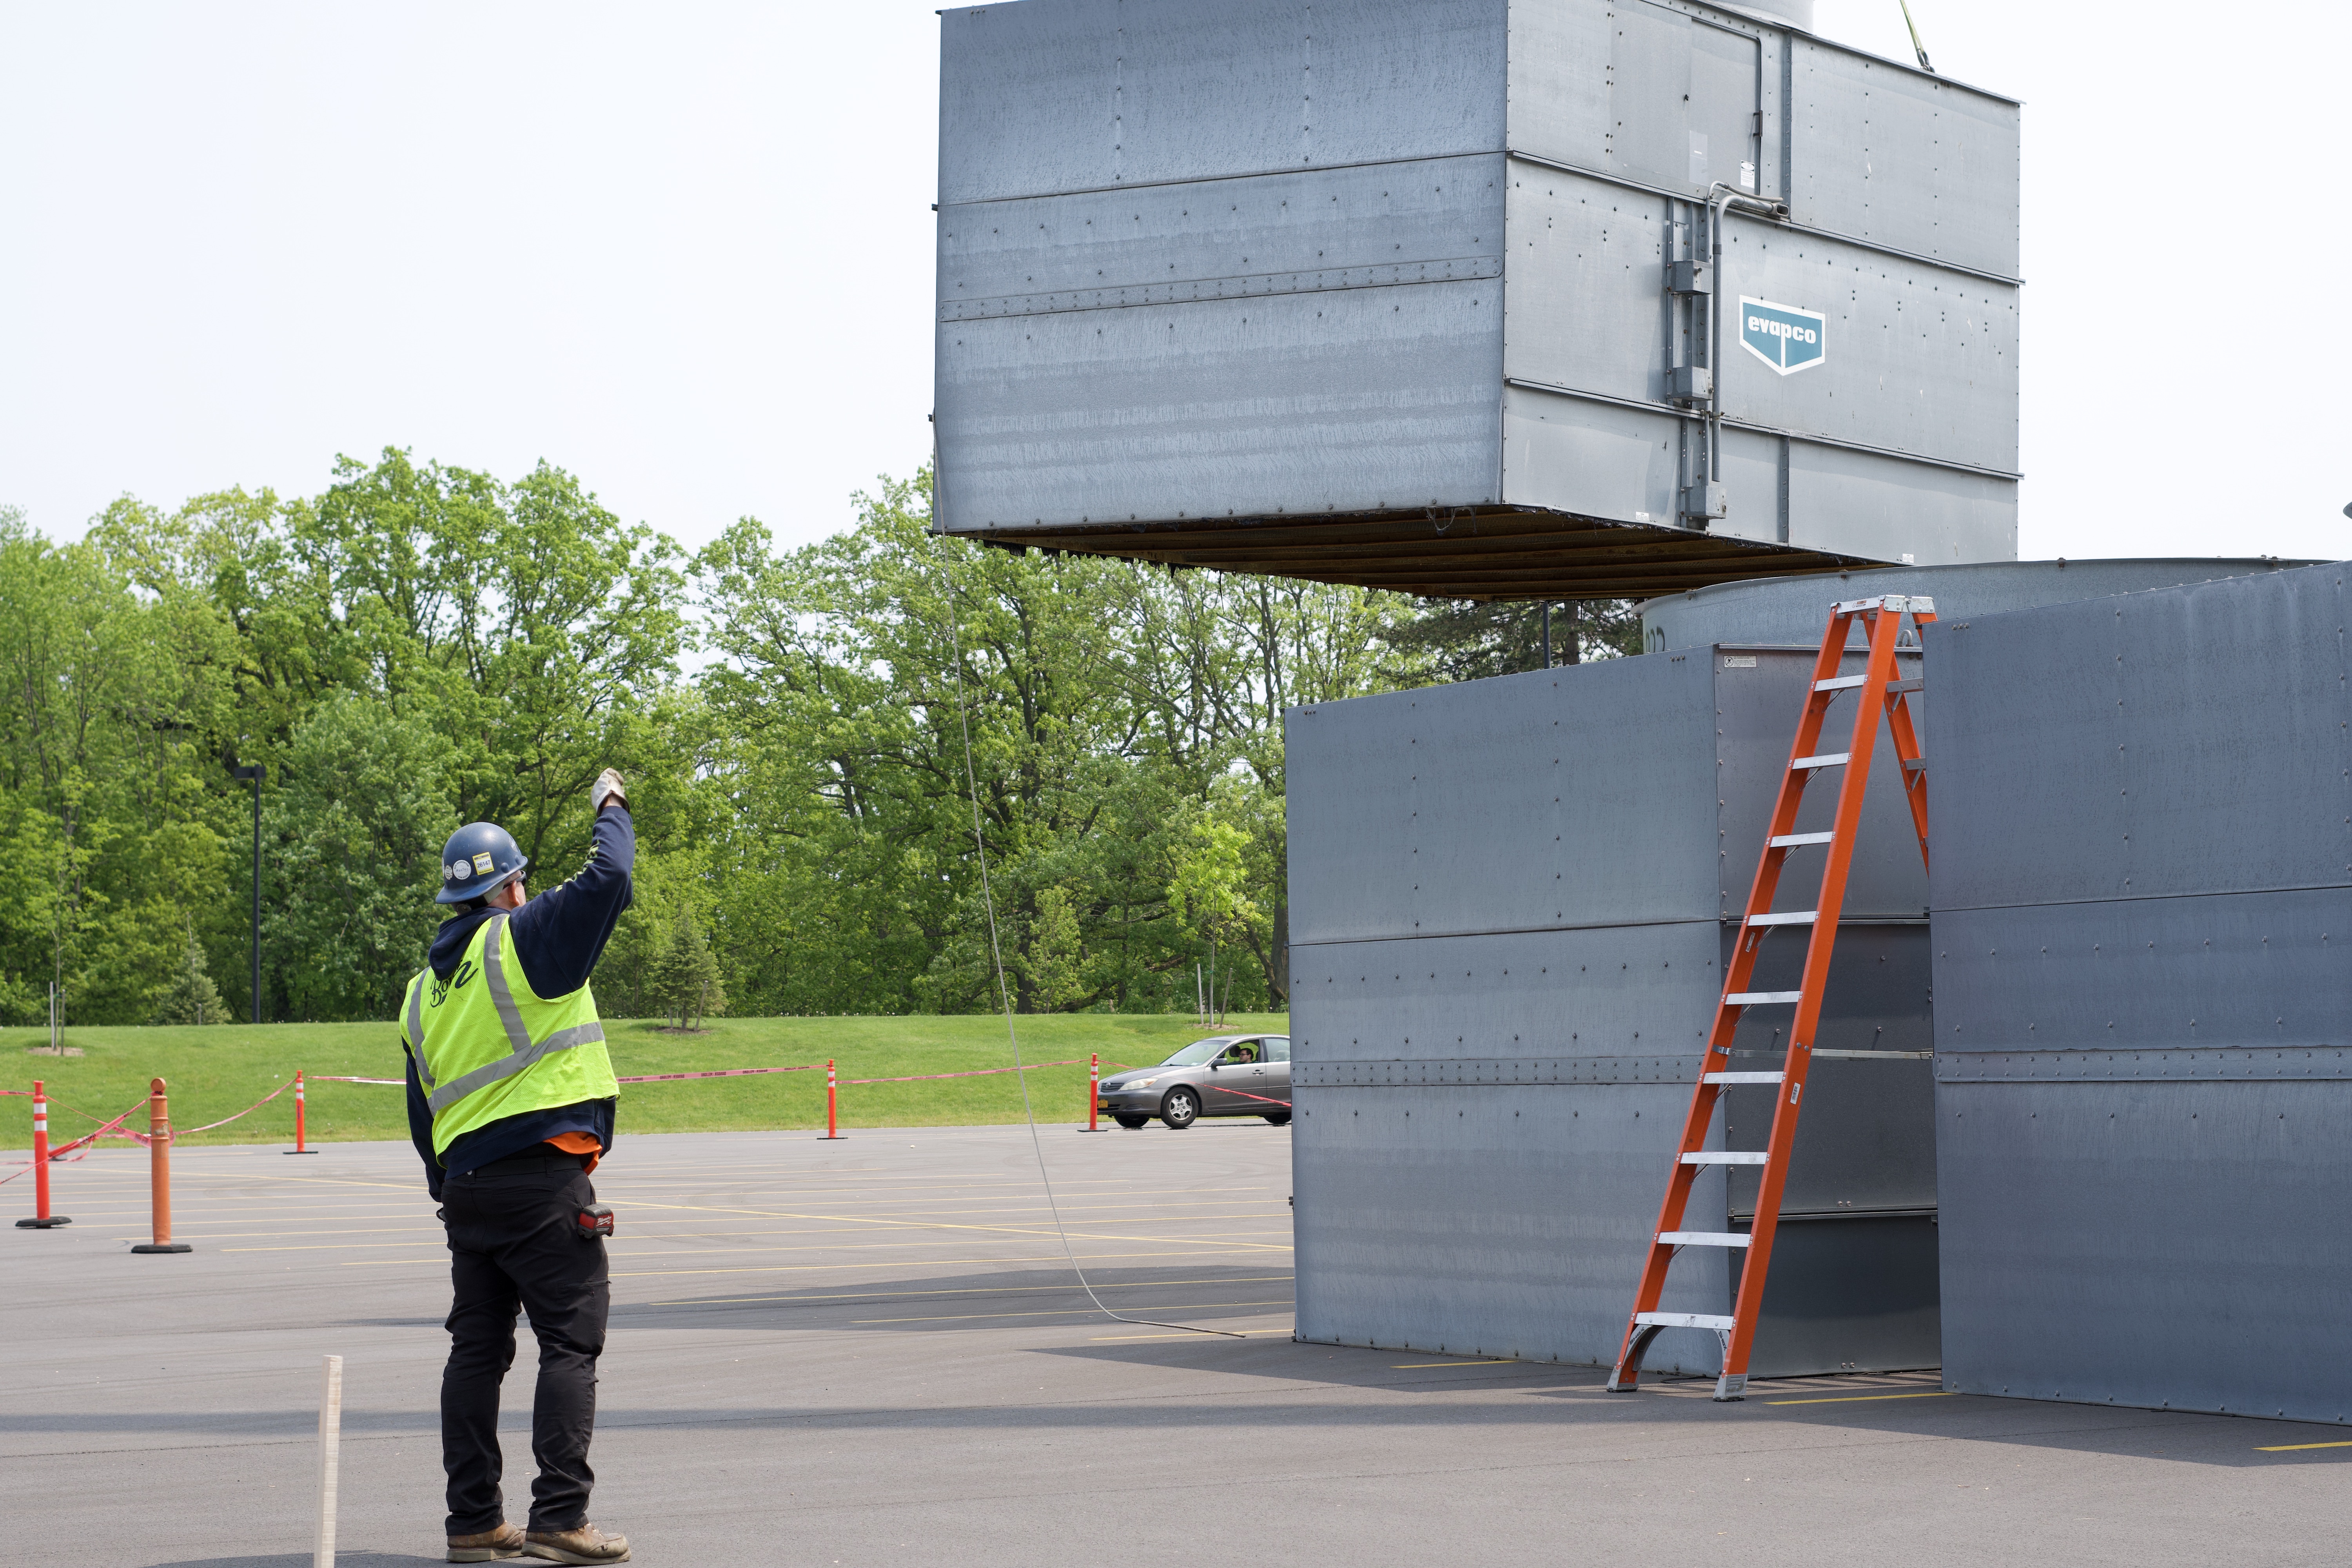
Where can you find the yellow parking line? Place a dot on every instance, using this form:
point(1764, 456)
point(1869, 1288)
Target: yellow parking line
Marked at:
point(1862, 1398)
point(1110, 1259)
point(1193, 1334)
point(1418, 1366)
point(2299, 1447)
point(980, 1291)
point(1061, 1312)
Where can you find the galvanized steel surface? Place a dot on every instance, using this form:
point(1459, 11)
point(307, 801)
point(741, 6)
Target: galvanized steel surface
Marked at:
point(1205, 264)
point(2143, 895)
point(1792, 610)
point(1507, 915)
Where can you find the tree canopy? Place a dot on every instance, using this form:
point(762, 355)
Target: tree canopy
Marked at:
point(420, 646)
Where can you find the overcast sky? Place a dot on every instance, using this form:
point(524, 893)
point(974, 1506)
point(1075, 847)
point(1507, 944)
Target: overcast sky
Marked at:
point(686, 252)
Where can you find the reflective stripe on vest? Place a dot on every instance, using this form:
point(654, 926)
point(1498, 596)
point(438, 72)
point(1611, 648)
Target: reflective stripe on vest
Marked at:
point(594, 1079)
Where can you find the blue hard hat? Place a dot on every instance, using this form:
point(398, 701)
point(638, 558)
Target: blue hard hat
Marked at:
point(479, 859)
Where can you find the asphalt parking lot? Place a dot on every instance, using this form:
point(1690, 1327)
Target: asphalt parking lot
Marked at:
point(871, 1353)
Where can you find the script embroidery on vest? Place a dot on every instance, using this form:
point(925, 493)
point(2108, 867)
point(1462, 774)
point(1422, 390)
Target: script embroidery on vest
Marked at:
point(456, 982)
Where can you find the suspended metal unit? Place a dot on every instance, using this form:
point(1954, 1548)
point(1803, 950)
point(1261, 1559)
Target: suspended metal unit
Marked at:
point(1497, 298)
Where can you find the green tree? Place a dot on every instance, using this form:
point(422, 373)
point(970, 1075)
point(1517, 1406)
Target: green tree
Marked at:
point(352, 836)
point(193, 997)
point(685, 975)
point(1471, 640)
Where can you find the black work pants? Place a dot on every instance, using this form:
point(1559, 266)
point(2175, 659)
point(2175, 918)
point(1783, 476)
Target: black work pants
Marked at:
point(513, 1244)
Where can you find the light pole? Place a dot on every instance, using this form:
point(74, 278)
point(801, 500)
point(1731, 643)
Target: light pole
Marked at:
point(257, 773)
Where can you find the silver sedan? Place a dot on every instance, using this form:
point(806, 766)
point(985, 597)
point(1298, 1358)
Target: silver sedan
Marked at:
point(1224, 1075)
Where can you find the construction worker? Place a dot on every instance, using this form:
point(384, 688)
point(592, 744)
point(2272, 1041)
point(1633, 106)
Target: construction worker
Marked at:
point(510, 1101)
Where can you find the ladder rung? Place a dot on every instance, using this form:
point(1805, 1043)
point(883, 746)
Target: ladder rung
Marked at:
point(1915, 764)
point(1841, 683)
point(1896, 688)
point(1790, 840)
point(1741, 1078)
point(1761, 998)
point(1701, 1238)
point(1683, 1320)
point(1826, 759)
point(1792, 918)
point(1729, 1156)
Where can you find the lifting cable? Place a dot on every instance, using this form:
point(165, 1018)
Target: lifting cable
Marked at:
point(996, 953)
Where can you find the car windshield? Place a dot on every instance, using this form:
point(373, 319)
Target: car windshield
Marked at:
point(1200, 1051)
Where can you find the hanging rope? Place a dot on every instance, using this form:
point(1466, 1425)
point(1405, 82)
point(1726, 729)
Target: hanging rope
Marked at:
point(996, 955)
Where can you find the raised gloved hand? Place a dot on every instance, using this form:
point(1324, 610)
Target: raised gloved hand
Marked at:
point(607, 788)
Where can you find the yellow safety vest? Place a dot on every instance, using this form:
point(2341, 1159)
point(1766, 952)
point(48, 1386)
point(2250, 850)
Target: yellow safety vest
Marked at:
point(485, 1052)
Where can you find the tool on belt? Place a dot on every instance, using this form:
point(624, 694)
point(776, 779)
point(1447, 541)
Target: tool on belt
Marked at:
point(593, 1221)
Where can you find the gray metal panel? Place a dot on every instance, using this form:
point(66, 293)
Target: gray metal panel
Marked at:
point(2141, 809)
point(1596, 460)
point(1850, 1295)
point(1488, 1119)
point(1050, 96)
point(1610, 992)
point(1918, 358)
point(1838, 498)
point(2196, 1065)
point(1867, 1139)
point(1069, 252)
point(1650, 94)
point(2222, 972)
point(1584, 286)
point(1512, 1221)
point(1760, 694)
point(2177, 743)
point(1581, 795)
point(1725, 83)
point(1768, 610)
point(1560, 69)
point(2174, 1245)
point(1118, 160)
point(1754, 470)
point(1352, 400)
point(1493, 1221)
point(1890, 154)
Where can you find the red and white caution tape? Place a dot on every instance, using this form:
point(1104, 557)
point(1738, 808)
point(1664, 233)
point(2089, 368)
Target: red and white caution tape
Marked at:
point(180, 1132)
point(982, 1072)
point(723, 1072)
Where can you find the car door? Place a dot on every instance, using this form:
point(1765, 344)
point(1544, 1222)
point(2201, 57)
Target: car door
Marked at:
point(1277, 1070)
point(1236, 1086)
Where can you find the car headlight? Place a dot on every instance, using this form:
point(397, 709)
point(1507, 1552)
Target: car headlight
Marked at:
point(1140, 1083)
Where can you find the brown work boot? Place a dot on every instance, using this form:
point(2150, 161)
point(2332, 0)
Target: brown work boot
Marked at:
point(585, 1544)
point(489, 1546)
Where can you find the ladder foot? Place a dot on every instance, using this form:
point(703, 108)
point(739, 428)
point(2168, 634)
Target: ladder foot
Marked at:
point(1728, 1388)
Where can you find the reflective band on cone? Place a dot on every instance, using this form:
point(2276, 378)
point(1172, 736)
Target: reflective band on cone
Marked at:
point(42, 1218)
point(159, 1170)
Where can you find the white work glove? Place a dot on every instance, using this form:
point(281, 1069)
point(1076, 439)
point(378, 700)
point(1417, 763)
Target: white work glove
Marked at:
point(608, 787)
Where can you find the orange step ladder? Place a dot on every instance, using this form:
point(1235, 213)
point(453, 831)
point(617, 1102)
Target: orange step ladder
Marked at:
point(1878, 691)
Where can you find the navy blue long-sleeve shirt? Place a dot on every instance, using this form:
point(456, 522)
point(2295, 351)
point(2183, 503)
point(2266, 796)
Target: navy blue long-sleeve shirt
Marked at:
point(558, 936)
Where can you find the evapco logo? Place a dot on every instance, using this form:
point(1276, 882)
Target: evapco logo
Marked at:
point(1785, 337)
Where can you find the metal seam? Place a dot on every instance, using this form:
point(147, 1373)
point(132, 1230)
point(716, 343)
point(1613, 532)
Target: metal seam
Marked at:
point(1735, 422)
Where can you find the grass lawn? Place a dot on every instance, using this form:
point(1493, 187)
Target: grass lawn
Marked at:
point(215, 1072)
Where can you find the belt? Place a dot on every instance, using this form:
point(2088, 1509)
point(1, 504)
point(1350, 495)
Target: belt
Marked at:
point(541, 1158)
